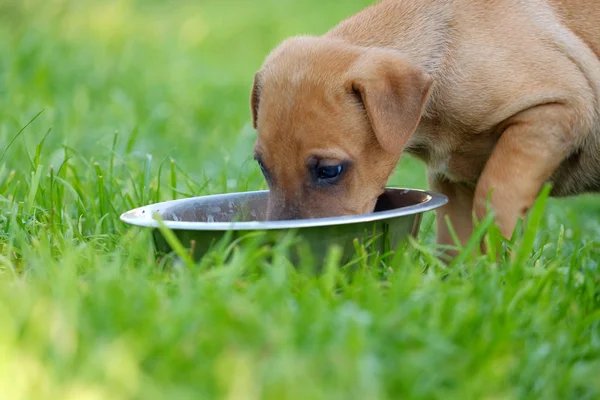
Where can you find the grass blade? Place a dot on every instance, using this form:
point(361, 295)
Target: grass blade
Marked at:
point(173, 242)
point(533, 222)
point(474, 241)
point(173, 180)
point(19, 134)
point(33, 189)
point(38, 149)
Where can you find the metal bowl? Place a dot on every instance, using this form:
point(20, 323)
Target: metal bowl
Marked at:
point(202, 222)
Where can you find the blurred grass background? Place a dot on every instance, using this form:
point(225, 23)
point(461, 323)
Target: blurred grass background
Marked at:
point(134, 93)
point(172, 78)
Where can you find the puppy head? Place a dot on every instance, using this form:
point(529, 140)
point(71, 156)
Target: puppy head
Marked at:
point(332, 121)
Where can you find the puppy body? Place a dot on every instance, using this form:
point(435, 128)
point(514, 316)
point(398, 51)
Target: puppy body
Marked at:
point(495, 96)
point(490, 61)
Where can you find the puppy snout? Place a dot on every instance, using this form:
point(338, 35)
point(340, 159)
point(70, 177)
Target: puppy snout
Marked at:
point(281, 212)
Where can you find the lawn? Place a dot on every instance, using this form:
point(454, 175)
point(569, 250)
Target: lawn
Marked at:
point(106, 106)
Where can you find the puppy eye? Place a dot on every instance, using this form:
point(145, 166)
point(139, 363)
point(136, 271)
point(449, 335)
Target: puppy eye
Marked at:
point(262, 168)
point(329, 173)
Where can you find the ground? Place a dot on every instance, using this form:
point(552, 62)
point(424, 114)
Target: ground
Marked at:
point(105, 106)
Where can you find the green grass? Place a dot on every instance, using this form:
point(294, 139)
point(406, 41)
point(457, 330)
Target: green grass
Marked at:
point(144, 101)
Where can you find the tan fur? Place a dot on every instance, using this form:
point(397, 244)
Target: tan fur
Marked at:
point(495, 96)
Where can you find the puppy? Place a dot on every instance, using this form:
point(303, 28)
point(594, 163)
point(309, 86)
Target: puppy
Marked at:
point(497, 97)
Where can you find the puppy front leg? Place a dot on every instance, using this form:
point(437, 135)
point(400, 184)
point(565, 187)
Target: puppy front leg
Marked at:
point(459, 211)
point(524, 159)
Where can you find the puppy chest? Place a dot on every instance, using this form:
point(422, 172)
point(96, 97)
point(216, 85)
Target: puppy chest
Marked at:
point(462, 165)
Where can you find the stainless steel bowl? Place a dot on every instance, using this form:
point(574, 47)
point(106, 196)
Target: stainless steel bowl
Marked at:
point(201, 222)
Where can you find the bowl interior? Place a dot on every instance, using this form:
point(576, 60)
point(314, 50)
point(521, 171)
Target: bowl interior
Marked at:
point(251, 206)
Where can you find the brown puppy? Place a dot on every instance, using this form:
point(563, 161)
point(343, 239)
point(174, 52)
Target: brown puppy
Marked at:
point(494, 95)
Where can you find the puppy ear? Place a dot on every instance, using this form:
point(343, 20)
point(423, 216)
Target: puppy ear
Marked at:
point(394, 94)
point(255, 99)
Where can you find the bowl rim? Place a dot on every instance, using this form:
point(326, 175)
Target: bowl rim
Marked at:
point(139, 216)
